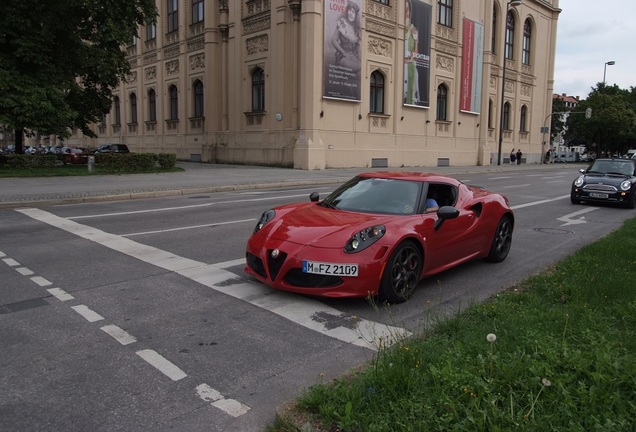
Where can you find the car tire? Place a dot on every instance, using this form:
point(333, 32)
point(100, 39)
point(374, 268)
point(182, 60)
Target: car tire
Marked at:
point(502, 240)
point(574, 199)
point(631, 202)
point(401, 273)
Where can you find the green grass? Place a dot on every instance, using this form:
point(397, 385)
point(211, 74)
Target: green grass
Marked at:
point(564, 359)
point(69, 170)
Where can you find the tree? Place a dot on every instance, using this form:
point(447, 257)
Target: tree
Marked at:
point(60, 60)
point(557, 123)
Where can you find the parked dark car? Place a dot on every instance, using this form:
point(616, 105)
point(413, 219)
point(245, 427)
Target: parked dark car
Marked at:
point(112, 148)
point(75, 155)
point(610, 181)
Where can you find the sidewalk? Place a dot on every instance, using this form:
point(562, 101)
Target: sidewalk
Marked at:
point(196, 178)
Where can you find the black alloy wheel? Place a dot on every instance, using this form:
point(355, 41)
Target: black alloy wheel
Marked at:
point(501, 241)
point(401, 274)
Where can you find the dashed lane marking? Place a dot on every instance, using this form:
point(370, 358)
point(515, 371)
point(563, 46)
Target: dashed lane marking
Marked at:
point(216, 399)
point(163, 365)
point(41, 281)
point(307, 312)
point(88, 314)
point(60, 294)
point(119, 334)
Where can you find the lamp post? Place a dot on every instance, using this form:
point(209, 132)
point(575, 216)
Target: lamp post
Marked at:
point(610, 63)
point(510, 3)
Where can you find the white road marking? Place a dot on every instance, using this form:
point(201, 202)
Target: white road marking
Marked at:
point(556, 181)
point(187, 227)
point(230, 406)
point(499, 178)
point(11, 262)
point(24, 271)
point(41, 281)
point(569, 218)
point(163, 365)
point(534, 203)
point(301, 310)
point(119, 334)
point(60, 294)
point(516, 186)
point(2, 254)
point(88, 314)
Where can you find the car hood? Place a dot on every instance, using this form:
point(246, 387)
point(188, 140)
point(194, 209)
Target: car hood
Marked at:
point(608, 179)
point(314, 225)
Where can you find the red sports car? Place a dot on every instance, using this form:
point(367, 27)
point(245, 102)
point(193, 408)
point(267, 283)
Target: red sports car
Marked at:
point(378, 234)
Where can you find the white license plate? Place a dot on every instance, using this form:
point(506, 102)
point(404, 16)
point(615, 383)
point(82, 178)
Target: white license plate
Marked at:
point(331, 269)
point(598, 195)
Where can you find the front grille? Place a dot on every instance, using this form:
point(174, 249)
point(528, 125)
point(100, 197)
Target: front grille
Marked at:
point(297, 278)
point(274, 264)
point(256, 264)
point(600, 188)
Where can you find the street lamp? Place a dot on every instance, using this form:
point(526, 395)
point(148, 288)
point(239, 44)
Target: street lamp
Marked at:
point(610, 63)
point(513, 3)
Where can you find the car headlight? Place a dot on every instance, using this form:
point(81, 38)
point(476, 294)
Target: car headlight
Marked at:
point(579, 181)
point(365, 238)
point(626, 185)
point(265, 217)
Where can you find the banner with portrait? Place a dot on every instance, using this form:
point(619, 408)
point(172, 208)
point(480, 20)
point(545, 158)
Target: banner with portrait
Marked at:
point(417, 52)
point(342, 49)
point(472, 66)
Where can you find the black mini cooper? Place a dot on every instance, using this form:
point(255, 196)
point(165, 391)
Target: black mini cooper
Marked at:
point(611, 181)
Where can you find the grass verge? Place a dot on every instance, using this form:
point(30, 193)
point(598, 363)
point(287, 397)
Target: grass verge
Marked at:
point(557, 353)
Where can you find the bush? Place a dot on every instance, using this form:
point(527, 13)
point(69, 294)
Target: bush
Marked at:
point(28, 161)
point(135, 162)
point(167, 161)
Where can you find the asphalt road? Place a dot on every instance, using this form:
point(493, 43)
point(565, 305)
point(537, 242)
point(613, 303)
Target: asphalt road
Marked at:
point(136, 314)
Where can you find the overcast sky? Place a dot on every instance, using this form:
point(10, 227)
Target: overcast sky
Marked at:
point(591, 33)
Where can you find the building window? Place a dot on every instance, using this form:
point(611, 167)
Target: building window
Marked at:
point(173, 15)
point(442, 99)
point(151, 31)
point(117, 111)
point(197, 11)
point(198, 99)
point(384, 2)
point(510, 35)
point(493, 37)
point(102, 122)
point(133, 108)
point(174, 102)
point(258, 90)
point(527, 37)
point(152, 106)
point(377, 93)
point(490, 111)
point(523, 119)
point(445, 12)
point(506, 116)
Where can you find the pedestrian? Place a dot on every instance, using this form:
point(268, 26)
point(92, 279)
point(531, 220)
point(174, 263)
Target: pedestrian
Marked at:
point(513, 156)
point(519, 154)
point(547, 156)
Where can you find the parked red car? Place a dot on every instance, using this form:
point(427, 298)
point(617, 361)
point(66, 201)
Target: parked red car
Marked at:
point(378, 234)
point(75, 155)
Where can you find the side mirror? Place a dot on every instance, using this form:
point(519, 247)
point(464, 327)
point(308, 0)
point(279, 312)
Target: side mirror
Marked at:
point(444, 213)
point(314, 197)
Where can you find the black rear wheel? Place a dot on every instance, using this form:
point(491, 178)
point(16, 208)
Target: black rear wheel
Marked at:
point(501, 241)
point(630, 203)
point(401, 274)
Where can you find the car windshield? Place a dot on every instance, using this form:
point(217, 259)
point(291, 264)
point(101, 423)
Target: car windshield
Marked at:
point(612, 167)
point(375, 195)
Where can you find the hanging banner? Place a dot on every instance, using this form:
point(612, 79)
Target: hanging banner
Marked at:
point(342, 49)
point(472, 66)
point(417, 52)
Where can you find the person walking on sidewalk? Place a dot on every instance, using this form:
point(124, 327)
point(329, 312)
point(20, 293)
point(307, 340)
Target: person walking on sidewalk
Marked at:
point(513, 157)
point(519, 154)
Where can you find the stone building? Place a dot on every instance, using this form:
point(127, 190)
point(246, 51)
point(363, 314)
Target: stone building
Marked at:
point(314, 84)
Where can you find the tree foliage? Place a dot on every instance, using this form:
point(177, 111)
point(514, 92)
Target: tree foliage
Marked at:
point(60, 60)
point(612, 127)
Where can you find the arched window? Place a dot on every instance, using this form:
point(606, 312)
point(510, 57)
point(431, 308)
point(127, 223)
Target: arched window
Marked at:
point(117, 111)
point(258, 90)
point(510, 35)
point(445, 12)
point(133, 108)
point(523, 119)
point(442, 100)
point(506, 116)
point(152, 106)
point(377, 93)
point(174, 102)
point(198, 99)
point(527, 38)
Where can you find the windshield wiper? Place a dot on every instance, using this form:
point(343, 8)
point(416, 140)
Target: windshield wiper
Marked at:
point(328, 205)
point(616, 173)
